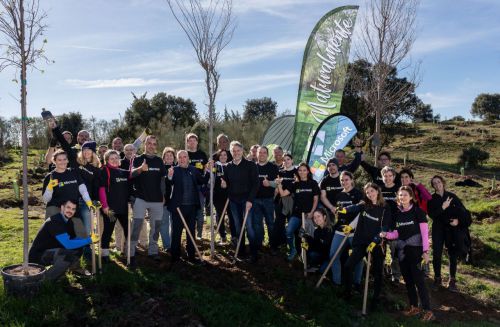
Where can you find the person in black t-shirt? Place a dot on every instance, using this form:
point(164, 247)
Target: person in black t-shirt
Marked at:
point(278, 156)
point(283, 205)
point(198, 159)
point(57, 245)
point(375, 172)
point(220, 196)
point(63, 184)
point(411, 231)
point(318, 244)
point(374, 217)
point(148, 176)
point(168, 157)
point(330, 185)
point(306, 196)
point(113, 194)
point(390, 189)
point(345, 224)
point(263, 208)
point(450, 222)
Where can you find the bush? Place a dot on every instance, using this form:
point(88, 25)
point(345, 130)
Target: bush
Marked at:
point(472, 157)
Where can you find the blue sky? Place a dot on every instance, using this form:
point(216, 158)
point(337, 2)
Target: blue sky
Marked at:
point(104, 50)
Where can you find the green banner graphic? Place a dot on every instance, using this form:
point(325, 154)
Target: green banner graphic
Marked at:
point(323, 75)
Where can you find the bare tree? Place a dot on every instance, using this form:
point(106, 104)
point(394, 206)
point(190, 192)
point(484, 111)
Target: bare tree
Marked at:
point(388, 34)
point(209, 27)
point(21, 29)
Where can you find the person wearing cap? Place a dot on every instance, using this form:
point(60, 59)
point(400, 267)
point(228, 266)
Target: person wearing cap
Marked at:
point(330, 185)
point(88, 169)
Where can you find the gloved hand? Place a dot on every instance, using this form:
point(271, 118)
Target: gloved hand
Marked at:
point(111, 216)
point(94, 238)
point(371, 246)
point(377, 239)
point(305, 245)
point(148, 131)
point(347, 229)
point(302, 232)
point(341, 210)
point(52, 183)
point(90, 205)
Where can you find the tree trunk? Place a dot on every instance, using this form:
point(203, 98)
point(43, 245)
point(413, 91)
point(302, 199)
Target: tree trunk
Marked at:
point(211, 110)
point(24, 128)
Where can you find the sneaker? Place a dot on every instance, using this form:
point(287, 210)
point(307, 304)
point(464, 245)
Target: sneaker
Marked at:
point(412, 311)
point(312, 269)
point(437, 283)
point(105, 260)
point(452, 285)
point(195, 261)
point(292, 255)
point(428, 316)
point(223, 241)
point(81, 271)
point(358, 288)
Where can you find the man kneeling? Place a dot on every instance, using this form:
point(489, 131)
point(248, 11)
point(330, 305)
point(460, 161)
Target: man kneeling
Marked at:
point(56, 244)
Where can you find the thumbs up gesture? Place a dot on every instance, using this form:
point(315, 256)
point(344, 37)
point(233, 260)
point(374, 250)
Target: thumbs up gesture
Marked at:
point(144, 166)
point(265, 182)
point(170, 172)
point(223, 183)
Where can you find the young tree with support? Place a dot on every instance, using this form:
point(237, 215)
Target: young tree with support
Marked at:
point(209, 27)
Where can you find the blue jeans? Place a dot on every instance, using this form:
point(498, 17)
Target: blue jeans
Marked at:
point(84, 215)
point(165, 231)
point(238, 212)
point(294, 224)
point(317, 259)
point(336, 267)
point(262, 208)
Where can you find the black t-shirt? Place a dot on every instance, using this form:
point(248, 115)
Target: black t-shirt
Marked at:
point(147, 184)
point(332, 187)
point(220, 194)
point(345, 199)
point(303, 196)
point(390, 195)
point(269, 171)
point(90, 176)
point(408, 223)
point(66, 189)
point(288, 177)
point(198, 159)
point(116, 184)
point(46, 237)
point(372, 220)
point(168, 187)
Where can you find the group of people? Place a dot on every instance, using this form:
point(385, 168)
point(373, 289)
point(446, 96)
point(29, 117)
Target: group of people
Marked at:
point(332, 220)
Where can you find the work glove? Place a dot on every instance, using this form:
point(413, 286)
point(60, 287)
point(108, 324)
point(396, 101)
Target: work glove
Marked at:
point(90, 205)
point(371, 246)
point(377, 239)
point(347, 229)
point(341, 210)
point(302, 232)
point(52, 183)
point(305, 245)
point(94, 238)
point(111, 216)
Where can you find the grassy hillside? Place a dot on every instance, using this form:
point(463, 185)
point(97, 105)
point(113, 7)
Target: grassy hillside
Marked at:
point(273, 293)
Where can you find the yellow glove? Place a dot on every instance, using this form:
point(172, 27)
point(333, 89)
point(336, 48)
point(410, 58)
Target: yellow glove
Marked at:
point(90, 205)
point(94, 238)
point(371, 247)
point(305, 245)
point(347, 229)
point(52, 183)
point(341, 210)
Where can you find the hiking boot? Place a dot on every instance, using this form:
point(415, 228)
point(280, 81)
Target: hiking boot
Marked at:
point(105, 260)
point(412, 311)
point(428, 316)
point(452, 285)
point(358, 288)
point(437, 283)
point(81, 271)
point(223, 241)
point(155, 257)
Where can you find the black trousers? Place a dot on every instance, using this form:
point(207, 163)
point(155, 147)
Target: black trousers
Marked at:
point(109, 227)
point(414, 276)
point(278, 236)
point(377, 267)
point(219, 204)
point(439, 235)
point(189, 214)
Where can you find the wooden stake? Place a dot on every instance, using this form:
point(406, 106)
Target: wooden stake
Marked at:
point(367, 279)
point(241, 234)
point(188, 232)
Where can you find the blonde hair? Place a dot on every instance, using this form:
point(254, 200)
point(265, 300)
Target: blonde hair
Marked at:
point(94, 162)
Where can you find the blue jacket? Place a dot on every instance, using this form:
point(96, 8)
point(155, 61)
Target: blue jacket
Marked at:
point(178, 188)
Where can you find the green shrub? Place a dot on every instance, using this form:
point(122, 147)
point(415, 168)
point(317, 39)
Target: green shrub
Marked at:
point(472, 157)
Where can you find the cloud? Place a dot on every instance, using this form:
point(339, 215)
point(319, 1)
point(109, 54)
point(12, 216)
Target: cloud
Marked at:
point(442, 100)
point(81, 47)
point(123, 82)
